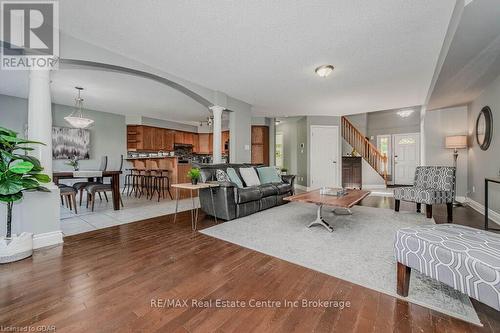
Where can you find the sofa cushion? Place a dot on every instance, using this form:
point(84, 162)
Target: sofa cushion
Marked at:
point(222, 176)
point(247, 194)
point(249, 176)
point(268, 175)
point(283, 188)
point(234, 177)
point(268, 190)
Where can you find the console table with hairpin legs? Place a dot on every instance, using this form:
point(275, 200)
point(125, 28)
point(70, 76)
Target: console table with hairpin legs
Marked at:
point(194, 210)
point(486, 220)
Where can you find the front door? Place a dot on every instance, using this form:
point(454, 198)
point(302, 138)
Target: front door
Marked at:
point(406, 157)
point(325, 156)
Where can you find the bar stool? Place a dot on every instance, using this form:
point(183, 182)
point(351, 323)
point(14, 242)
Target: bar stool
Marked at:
point(146, 183)
point(128, 181)
point(161, 181)
point(138, 182)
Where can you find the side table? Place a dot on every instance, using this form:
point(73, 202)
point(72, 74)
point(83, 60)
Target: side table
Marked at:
point(486, 221)
point(194, 210)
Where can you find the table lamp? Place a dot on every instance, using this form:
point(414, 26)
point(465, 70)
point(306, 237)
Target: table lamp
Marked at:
point(456, 142)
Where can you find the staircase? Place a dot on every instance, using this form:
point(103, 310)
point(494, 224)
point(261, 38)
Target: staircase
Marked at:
point(365, 148)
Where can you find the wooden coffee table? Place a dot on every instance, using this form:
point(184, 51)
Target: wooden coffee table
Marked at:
point(351, 198)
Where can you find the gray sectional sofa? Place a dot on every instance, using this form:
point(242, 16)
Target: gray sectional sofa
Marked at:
point(233, 202)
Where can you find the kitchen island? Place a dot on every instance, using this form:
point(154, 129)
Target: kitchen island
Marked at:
point(177, 168)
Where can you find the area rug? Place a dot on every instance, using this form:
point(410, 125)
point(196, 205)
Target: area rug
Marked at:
point(360, 250)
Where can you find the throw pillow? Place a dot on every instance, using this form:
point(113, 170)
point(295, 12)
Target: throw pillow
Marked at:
point(269, 175)
point(250, 176)
point(233, 176)
point(222, 176)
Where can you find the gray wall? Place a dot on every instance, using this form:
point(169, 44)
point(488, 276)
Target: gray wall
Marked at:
point(302, 153)
point(388, 122)
point(169, 124)
point(240, 122)
point(437, 126)
point(485, 163)
point(107, 135)
point(360, 121)
point(14, 113)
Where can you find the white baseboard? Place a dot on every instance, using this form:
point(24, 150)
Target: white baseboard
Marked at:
point(47, 239)
point(492, 215)
point(300, 187)
point(373, 187)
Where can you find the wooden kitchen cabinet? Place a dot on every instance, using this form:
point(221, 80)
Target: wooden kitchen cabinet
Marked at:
point(260, 145)
point(203, 143)
point(196, 143)
point(168, 138)
point(225, 139)
point(148, 135)
point(210, 143)
point(158, 140)
point(179, 137)
point(149, 138)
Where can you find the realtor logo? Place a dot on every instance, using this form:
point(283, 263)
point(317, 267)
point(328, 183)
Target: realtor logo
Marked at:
point(30, 34)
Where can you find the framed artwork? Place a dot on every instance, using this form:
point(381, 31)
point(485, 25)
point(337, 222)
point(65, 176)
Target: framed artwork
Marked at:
point(70, 143)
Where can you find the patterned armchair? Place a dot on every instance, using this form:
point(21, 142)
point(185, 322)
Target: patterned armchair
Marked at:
point(433, 185)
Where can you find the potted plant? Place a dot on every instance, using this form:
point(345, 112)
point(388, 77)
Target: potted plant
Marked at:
point(194, 174)
point(18, 173)
point(74, 163)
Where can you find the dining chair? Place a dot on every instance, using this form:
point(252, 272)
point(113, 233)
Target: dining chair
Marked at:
point(80, 186)
point(99, 188)
point(68, 194)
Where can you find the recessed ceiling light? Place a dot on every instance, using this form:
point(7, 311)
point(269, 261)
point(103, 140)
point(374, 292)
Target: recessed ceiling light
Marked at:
point(405, 113)
point(324, 70)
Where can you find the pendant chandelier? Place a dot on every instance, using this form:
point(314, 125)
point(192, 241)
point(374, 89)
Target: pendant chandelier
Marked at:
point(76, 118)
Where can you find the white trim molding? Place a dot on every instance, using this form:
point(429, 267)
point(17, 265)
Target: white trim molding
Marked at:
point(47, 239)
point(300, 187)
point(493, 216)
point(373, 187)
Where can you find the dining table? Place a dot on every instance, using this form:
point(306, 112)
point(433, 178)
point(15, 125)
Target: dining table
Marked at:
point(115, 181)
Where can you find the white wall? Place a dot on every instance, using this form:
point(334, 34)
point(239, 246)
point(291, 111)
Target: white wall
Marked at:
point(438, 125)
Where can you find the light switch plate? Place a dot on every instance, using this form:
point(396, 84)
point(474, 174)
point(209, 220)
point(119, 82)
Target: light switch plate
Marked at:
point(247, 147)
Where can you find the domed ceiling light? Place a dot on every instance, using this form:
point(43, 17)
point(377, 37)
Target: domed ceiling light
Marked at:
point(324, 70)
point(76, 118)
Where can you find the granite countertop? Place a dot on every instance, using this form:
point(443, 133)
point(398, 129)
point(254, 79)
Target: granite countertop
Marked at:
point(149, 157)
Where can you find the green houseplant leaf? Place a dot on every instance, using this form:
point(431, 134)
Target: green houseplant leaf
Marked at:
point(18, 171)
point(21, 167)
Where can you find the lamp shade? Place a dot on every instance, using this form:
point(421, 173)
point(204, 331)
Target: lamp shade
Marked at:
point(456, 141)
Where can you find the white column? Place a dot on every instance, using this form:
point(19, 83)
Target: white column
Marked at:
point(39, 212)
point(40, 117)
point(217, 135)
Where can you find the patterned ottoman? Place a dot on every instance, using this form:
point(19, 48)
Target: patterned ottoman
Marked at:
point(464, 258)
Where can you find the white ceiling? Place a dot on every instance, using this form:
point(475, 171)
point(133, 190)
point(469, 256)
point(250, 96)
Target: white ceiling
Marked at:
point(264, 52)
point(112, 92)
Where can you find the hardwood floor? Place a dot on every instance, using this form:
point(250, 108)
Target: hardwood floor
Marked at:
point(116, 279)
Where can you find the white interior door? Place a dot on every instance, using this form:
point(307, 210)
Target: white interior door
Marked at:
point(325, 159)
point(406, 157)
